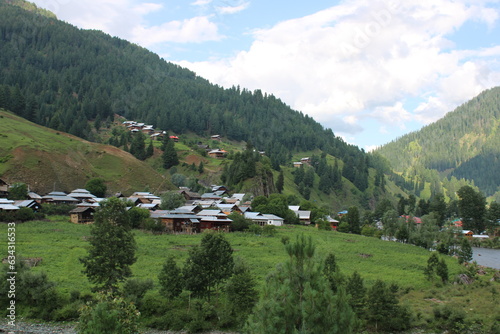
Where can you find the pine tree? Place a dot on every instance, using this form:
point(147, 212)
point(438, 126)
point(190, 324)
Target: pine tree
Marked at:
point(169, 156)
point(465, 252)
point(150, 150)
point(355, 288)
point(297, 298)
point(280, 182)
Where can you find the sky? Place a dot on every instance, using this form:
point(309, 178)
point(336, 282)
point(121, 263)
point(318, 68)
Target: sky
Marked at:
point(371, 70)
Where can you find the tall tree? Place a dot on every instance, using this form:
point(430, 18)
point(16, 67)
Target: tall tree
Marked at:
point(472, 208)
point(138, 146)
point(241, 292)
point(280, 182)
point(208, 265)
point(353, 220)
point(169, 156)
point(112, 246)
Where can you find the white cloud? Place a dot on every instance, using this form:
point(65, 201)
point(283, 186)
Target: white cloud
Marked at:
point(201, 2)
point(127, 19)
point(197, 29)
point(232, 9)
point(361, 59)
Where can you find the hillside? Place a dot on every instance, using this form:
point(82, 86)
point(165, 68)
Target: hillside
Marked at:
point(75, 81)
point(60, 76)
point(465, 144)
point(46, 159)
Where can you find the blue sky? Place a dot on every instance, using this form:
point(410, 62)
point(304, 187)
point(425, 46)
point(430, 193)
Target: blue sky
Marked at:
point(371, 70)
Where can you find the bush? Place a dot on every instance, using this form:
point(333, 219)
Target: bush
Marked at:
point(448, 317)
point(25, 214)
point(135, 289)
point(110, 314)
point(57, 209)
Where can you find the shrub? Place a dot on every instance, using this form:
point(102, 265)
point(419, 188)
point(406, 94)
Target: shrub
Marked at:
point(109, 314)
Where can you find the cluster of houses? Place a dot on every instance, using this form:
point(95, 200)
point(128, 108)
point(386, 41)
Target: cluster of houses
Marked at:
point(200, 211)
point(150, 131)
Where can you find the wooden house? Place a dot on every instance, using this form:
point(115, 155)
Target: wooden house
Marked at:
point(82, 215)
point(219, 154)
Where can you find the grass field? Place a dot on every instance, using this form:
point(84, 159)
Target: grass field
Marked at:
point(60, 244)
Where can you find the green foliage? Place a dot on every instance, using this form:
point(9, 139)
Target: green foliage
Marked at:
point(96, 187)
point(297, 298)
point(109, 314)
point(169, 157)
point(145, 88)
point(18, 191)
point(472, 208)
point(208, 265)
point(356, 290)
point(138, 217)
point(239, 222)
point(112, 246)
point(465, 251)
point(464, 143)
point(170, 278)
point(241, 292)
point(353, 220)
point(280, 182)
point(276, 204)
point(135, 289)
point(171, 200)
point(383, 310)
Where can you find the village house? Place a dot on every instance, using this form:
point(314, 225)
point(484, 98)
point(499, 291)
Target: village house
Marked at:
point(217, 153)
point(216, 137)
point(82, 195)
point(189, 195)
point(82, 215)
point(177, 222)
point(28, 203)
point(58, 197)
point(157, 135)
point(7, 205)
point(304, 215)
point(264, 219)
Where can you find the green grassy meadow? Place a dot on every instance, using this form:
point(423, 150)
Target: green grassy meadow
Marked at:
point(60, 244)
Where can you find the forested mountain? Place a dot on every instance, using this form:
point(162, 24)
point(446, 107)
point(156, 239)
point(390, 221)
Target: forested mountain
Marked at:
point(60, 76)
point(463, 144)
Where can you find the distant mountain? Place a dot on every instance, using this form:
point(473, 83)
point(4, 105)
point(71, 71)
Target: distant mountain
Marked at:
point(463, 144)
point(69, 79)
point(48, 160)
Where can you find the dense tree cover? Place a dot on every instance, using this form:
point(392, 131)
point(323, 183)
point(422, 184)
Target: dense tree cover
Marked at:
point(465, 142)
point(60, 76)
